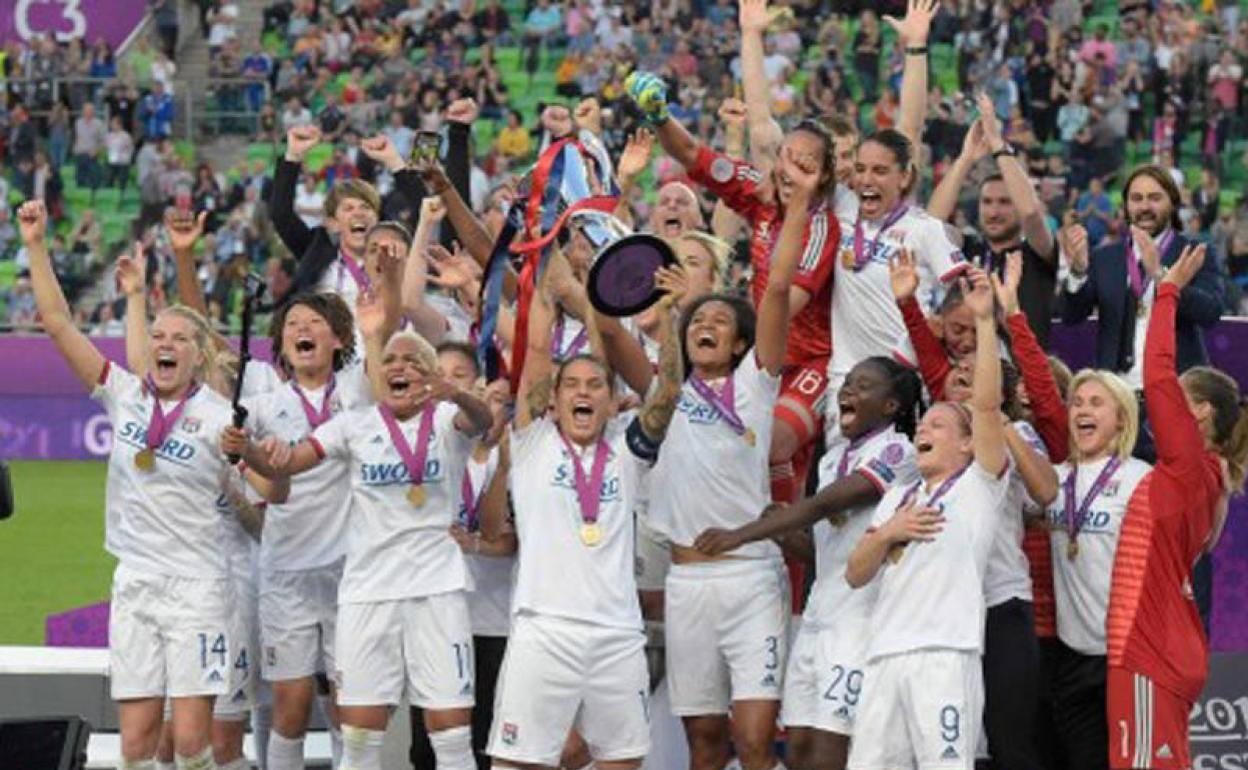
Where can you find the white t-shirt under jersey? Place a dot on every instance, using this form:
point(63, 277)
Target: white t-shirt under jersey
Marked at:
point(886, 460)
point(489, 601)
point(707, 474)
point(394, 549)
point(1081, 585)
point(557, 574)
point(164, 521)
point(865, 318)
point(308, 530)
point(933, 596)
point(1009, 573)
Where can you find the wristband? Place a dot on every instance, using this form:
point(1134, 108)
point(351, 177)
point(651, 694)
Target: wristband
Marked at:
point(1006, 150)
point(916, 50)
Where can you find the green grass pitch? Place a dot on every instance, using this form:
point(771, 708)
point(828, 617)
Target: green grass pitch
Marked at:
point(52, 550)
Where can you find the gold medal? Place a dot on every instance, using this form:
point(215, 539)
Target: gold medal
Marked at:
point(591, 534)
point(416, 495)
point(145, 460)
point(1072, 549)
point(895, 552)
point(749, 437)
point(847, 258)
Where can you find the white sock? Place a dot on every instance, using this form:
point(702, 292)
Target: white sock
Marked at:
point(201, 761)
point(285, 753)
point(361, 748)
point(239, 764)
point(453, 748)
point(138, 764)
point(335, 746)
point(261, 726)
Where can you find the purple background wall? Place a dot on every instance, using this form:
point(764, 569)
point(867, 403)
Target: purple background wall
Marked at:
point(44, 415)
point(113, 20)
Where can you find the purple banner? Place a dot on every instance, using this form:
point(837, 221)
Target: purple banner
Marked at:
point(113, 20)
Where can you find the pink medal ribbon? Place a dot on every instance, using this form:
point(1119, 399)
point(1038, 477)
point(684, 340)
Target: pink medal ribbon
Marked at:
point(316, 418)
point(940, 491)
point(1140, 284)
point(160, 424)
point(556, 341)
point(588, 490)
point(357, 273)
point(1074, 517)
point(861, 257)
point(723, 402)
point(413, 460)
point(843, 466)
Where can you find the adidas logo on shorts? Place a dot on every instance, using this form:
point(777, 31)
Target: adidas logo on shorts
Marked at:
point(215, 676)
point(769, 681)
point(950, 753)
point(1164, 752)
point(467, 690)
point(843, 711)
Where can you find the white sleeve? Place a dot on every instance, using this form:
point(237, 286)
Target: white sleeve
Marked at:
point(354, 388)
point(116, 384)
point(891, 464)
point(526, 441)
point(332, 439)
point(749, 375)
point(943, 258)
point(885, 509)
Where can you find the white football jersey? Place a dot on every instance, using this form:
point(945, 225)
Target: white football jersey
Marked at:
point(1009, 572)
point(558, 574)
point(887, 460)
point(1081, 584)
point(396, 550)
point(865, 318)
point(932, 594)
point(707, 474)
point(308, 530)
point(164, 521)
point(489, 601)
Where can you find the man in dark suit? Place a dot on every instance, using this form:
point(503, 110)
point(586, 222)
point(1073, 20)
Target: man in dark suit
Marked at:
point(1120, 281)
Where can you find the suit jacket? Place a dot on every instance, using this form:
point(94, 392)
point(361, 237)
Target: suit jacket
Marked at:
point(314, 248)
point(1106, 291)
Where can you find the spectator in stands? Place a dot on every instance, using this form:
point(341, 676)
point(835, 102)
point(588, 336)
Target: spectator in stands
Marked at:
point(295, 114)
point(493, 24)
point(22, 141)
point(156, 113)
point(20, 301)
point(85, 240)
point(58, 134)
point(309, 201)
point(163, 70)
point(89, 139)
point(513, 141)
point(222, 18)
point(165, 13)
point(399, 134)
point(332, 120)
point(1095, 212)
point(206, 195)
point(8, 232)
point(867, 54)
point(257, 66)
point(541, 27)
point(339, 169)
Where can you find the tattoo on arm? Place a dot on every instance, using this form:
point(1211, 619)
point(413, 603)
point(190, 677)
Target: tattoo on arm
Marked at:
point(539, 398)
point(656, 412)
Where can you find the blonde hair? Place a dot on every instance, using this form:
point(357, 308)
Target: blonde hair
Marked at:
point(720, 250)
point(1128, 408)
point(203, 338)
point(426, 354)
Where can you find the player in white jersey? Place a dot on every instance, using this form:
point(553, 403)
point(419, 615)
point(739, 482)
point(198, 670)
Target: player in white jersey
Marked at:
point(575, 658)
point(824, 680)
point(403, 626)
point(928, 545)
point(865, 318)
point(490, 555)
point(170, 599)
point(1085, 520)
point(303, 547)
point(726, 617)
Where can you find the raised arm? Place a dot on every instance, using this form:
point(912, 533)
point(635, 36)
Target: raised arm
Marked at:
point(764, 131)
point(660, 404)
point(132, 280)
point(632, 164)
point(1018, 183)
point(429, 323)
point(290, 228)
point(1175, 429)
point(1079, 288)
point(471, 232)
point(83, 358)
point(496, 522)
point(649, 93)
point(933, 361)
point(726, 224)
point(771, 338)
point(460, 116)
point(1051, 418)
point(536, 379)
point(944, 200)
point(912, 31)
point(987, 422)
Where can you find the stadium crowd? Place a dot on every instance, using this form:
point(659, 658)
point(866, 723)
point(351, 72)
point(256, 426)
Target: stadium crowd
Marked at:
point(550, 525)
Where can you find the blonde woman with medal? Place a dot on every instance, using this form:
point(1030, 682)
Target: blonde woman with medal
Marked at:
point(928, 545)
point(169, 615)
point(403, 626)
point(1095, 486)
point(726, 616)
point(576, 654)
